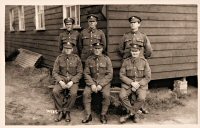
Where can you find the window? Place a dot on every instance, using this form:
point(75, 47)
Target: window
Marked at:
point(73, 12)
point(12, 21)
point(21, 18)
point(39, 17)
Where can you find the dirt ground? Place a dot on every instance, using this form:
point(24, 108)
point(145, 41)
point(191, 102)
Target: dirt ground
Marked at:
point(28, 102)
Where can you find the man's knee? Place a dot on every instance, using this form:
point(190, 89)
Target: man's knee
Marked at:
point(106, 95)
point(141, 97)
point(56, 91)
point(122, 95)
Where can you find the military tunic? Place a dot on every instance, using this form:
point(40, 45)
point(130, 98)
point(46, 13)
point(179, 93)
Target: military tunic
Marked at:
point(132, 70)
point(87, 38)
point(98, 71)
point(69, 36)
point(66, 68)
point(135, 38)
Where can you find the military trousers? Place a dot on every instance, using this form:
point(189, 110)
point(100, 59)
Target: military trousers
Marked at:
point(87, 98)
point(137, 104)
point(63, 103)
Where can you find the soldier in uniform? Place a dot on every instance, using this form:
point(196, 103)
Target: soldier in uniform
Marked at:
point(135, 37)
point(98, 74)
point(67, 71)
point(90, 35)
point(135, 75)
point(69, 35)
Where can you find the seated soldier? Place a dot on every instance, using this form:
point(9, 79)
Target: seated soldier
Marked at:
point(98, 74)
point(67, 71)
point(135, 75)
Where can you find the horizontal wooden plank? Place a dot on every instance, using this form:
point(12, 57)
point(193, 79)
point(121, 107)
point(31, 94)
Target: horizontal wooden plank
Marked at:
point(91, 9)
point(155, 8)
point(159, 54)
point(161, 61)
point(36, 35)
point(155, 31)
point(47, 63)
point(160, 46)
point(50, 7)
point(158, 39)
point(57, 9)
point(169, 53)
point(174, 74)
point(170, 46)
point(173, 67)
point(151, 23)
point(53, 21)
point(58, 16)
point(151, 16)
point(41, 46)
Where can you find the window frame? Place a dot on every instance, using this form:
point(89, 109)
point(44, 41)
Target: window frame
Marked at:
point(12, 20)
point(21, 18)
point(39, 11)
point(76, 17)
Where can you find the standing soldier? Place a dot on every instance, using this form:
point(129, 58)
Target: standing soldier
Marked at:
point(67, 71)
point(135, 37)
point(135, 75)
point(69, 35)
point(98, 74)
point(90, 35)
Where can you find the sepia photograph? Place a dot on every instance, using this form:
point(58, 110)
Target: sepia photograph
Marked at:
point(101, 64)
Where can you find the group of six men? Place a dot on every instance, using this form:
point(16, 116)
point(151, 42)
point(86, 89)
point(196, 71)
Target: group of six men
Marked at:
point(96, 67)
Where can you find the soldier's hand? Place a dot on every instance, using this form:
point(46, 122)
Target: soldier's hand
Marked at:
point(133, 89)
point(62, 83)
point(136, 85)
point(94, 88)
point(69, 84)
point(99, 87)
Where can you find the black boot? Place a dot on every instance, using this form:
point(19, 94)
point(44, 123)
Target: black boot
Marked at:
point(145, 111)
point(123, 119)
point(67, 117)
point(87, 119)
point(103, 119)
point(136, 118)
point(59, 117)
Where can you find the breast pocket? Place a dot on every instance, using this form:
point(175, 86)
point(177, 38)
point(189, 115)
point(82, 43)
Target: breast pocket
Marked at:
point(63, 68)
point(93, 69)
point(128, 41)
point(72, 68)
point(85, 40)
point(129, 71)
point(102, 67)
point(64, 39)
point(140, 41)
point(140, 71)
point(97, 37)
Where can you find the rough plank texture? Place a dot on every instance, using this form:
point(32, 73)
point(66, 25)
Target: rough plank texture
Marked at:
point(172, 30)
point(27, 58)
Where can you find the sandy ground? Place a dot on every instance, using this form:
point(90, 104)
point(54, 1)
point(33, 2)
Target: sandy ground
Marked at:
point(30, 103)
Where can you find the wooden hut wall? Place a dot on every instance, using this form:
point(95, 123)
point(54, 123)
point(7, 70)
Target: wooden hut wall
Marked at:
point(44, 42)
point(172, 30)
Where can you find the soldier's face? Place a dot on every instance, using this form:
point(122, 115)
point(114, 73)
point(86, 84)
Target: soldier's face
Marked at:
point(68, 50)
point(135, 53)
point(69, 26)
point(98, 51)
point(134, 25)
point(92, 24)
